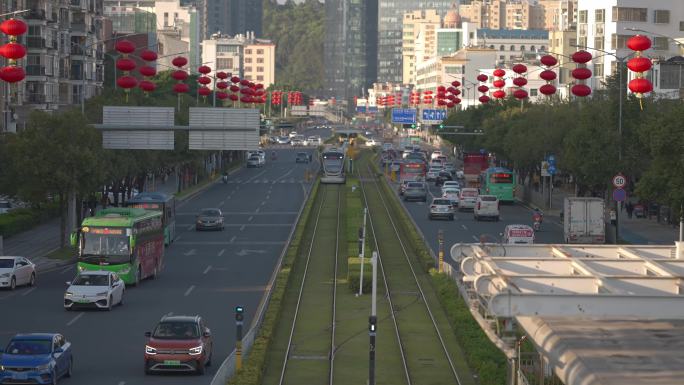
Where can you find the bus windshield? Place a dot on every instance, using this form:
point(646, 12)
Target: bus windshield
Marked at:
point(501, 177)
point(114, 247)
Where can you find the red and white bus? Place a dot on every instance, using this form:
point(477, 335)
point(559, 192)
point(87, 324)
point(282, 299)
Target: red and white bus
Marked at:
point(412, 170)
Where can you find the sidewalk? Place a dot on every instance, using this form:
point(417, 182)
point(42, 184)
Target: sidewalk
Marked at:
point(638, 231)
point(42, 240)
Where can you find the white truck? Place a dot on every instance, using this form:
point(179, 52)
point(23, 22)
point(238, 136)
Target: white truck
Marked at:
point(583, 220)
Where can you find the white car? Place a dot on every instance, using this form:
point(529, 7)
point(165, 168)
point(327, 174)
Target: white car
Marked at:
point(94, 289)
point(432, 173)
point(518, 234)
point(5, 207)
point(16, 271)
point(260, 153)
point(451, 193)
point(467, 199)
point(292, 134)
point(436, 163)
point(451, 184)
point(435, 154)
point(371, 143)
point(487, 206)
point(314, 140)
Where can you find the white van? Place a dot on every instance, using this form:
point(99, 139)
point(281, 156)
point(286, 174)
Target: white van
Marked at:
point(486, 206)
point(518, 234)
point(467, 198)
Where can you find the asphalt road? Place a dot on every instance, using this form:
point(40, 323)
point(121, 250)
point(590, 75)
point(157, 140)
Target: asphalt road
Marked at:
point(206, 273)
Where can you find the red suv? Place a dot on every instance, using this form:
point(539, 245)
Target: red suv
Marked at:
point(178, 343)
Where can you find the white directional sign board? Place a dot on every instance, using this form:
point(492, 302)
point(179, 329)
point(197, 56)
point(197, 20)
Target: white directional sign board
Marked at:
point(224, 128)
point(137, 128)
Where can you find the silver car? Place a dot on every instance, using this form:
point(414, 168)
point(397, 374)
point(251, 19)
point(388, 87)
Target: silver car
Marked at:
point(15, 271)
point(254, 161)
point(415, 191)
point(94, 289)
point(441, 208)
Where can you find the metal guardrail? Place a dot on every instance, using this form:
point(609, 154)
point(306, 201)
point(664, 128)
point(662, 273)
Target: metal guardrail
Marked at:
point(228, 367)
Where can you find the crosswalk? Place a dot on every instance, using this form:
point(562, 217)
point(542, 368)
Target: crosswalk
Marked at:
point(268, 181)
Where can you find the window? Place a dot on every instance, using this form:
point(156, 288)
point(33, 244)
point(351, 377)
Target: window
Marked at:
point(260, 52)
point(260, 78)
point(260, 60)
point(534, 92)
point(502, 48)
point(248, 60)
point(166, 19)
point(583, 16)
point(512, 48)
point(522, 47)
point(600, 15)
point(248, 52)
point(260, 69)
point(660, 43)
point(661, 16)
point(224, 63)
point(598, 70)
point(681, 25)
point(629, 14)
point(598, 42)
point(248, 69)
point(226, 48)
point(502, 57)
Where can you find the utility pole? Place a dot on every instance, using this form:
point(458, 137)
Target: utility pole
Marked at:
point(362, 248)
point(239, 317)
point(372, 322)
point(440, 240)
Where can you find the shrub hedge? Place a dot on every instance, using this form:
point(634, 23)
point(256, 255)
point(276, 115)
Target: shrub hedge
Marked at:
point(23, 219)
point(253, 367)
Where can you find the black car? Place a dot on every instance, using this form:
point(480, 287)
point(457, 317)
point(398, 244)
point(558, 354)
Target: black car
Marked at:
point(209, 219)
point(442, 177)
point(302, 157)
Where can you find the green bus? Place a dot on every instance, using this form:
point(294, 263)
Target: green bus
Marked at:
point(164, 203)
point(498, 181)
point(127, 241)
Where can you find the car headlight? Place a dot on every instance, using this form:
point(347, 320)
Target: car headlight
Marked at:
point(81, 268)
point(150, 350)
point(195, 351)
point(101, 294)
point(6, 275)
point(43, 367)
point(68, 294)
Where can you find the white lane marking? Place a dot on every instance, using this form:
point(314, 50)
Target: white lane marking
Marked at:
point(190, 252)
point(232, 239)
point(263, 203)
point(28, 291)
point(66, 270)
point(228, 197)
point(221, 252)
point(207, 269)
point(267, 198)
point(190, 227)
point(476, 239)
point(222, 203)
point(73, 320)
point(187, 292)
point(464, 227)
point(242, 227)
point(177, 238)
point(122, 383)
point(257, 210)
point(254, 177)
point(250, 219)
point(284, 175)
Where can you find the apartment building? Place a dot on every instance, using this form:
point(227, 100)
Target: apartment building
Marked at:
point(559, 15)
point(259, 61)
point(418, 40)
point(504, 14)
point(179, 31)
point(513, 45)
point(241, 55)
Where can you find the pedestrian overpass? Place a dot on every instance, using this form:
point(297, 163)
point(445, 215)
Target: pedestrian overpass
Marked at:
point(599, 315)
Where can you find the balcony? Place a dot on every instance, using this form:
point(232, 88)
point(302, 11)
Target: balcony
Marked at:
point(35, 70)
point(35, 14)
point(35, 98)
point(35, 42)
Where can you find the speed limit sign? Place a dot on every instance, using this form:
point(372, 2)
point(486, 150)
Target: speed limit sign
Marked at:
point(619, 181)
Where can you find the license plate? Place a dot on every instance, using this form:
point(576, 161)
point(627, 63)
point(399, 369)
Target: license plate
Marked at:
point(172, 362)
point(83, 301)
point(20, 376)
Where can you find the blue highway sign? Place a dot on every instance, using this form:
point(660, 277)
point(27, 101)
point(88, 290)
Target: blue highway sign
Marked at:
point(437, 115)
point(404, 115)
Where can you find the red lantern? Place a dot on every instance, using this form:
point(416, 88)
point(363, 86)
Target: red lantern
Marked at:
point(179, 75)
point(451, 89)
point(581, 73)
point(123, 64)
point(581, 57)
point(482, 78)
point(637, 64)
point(124, 46)
point(499, 73)
point(450, 105)
point(148, 55)
point(520, 94)
point(441, 103)
point(222, 75)
point(233, 97)
point(548, 60)
point(456, 92)
point(147, 86)
point(456, 83)
point(221, 95)
point(244, 82)
point(441, 89)
point(259, 86)
point(13, 51)
point(204, 70)
point(498, 83)
point(484, 99)
point(520, 82)
point(12, 74)
point(246, 99)
point(234, 88)
point(640, 86)
point(547, 89)
point(180, 88)
point(547, 75)
point(221, 85)
point(639, 43)
point(147, 71)
point(204, 80)
point(457, 101)
point(235, 79)
point(499, 94)
point(179, 61)
point(519, 69)
point(204, 91)
point(126, 82)
point(13, 27)
point(580, 90)
point(483, 88)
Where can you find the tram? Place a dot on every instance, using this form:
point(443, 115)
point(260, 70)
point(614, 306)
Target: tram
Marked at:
point(332, 162)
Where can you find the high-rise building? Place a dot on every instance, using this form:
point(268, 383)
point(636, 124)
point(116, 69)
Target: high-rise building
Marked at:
point(231, 17)
point(559, 15)
point(350, 47)
point(504, 14)
point(241, 55)
point(418, 43)
point(64, 62)
point(390, 17)
point(179, 32)
point(131, 16)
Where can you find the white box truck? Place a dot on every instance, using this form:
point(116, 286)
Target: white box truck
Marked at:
point(584, 220)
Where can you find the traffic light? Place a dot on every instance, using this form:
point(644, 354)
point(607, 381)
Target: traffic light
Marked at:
point(239, 313)
point(372, 324)
point(441, 126)
point(413, 125)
